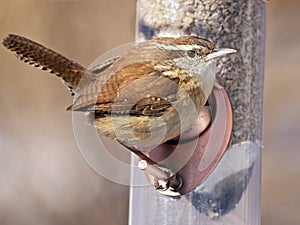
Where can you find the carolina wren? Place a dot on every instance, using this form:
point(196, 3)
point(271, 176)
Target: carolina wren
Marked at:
point(148, 95)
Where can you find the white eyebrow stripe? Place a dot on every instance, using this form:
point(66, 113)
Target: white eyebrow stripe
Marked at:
point(177, 47)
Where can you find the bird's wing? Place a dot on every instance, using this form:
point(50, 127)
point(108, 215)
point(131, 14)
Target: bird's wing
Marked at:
point(137, 89)
point(100, 68)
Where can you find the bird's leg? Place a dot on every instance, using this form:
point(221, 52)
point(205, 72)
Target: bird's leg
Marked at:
point(164, 178)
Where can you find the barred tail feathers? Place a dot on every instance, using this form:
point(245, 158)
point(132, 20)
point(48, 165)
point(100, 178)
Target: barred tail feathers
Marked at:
point(46, 59)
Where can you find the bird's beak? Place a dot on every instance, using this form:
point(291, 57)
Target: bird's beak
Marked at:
point(218, 53)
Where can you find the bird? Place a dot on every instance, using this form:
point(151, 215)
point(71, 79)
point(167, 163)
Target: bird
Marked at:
point(150, 94)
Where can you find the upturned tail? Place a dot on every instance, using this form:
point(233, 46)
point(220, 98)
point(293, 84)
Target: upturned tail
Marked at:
point(46, 59)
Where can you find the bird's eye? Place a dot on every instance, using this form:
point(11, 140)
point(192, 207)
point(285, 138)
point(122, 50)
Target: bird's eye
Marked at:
point(191, 53)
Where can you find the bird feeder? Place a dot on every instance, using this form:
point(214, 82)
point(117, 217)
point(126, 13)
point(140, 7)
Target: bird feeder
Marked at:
point(219, 181)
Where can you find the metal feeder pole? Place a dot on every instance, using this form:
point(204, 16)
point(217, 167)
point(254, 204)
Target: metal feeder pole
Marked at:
point(230, 195)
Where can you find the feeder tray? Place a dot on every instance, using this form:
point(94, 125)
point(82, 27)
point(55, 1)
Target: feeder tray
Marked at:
point(208, 139)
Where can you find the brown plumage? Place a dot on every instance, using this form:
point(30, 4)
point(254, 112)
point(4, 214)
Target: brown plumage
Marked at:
point(146, 96)
point(46, 59)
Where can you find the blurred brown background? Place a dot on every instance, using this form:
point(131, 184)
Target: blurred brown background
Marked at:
point(43, 178)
